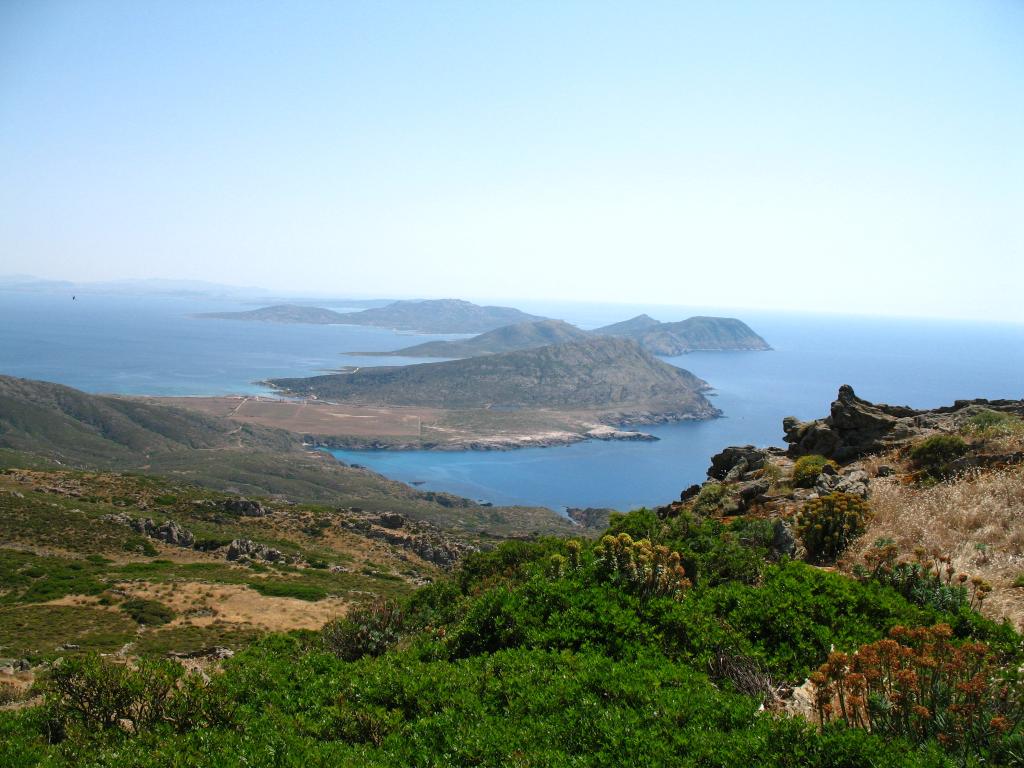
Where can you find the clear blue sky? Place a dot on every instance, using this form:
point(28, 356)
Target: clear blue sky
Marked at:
point(849, 156)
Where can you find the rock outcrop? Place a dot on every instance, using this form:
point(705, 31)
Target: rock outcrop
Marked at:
point(245, 508)
point(247, 549)
point(857, 427)
point(168, 531)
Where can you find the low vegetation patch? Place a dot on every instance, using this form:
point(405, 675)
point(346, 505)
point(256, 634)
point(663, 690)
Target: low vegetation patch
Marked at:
point(151, 613)
point(807, 468)
point(934, 455)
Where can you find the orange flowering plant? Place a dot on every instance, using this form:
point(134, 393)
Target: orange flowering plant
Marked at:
point(920, 685)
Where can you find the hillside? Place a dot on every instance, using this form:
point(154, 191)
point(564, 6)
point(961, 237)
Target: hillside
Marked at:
point(695, 334)
point(510, 338)
point(607, 373)
point(439, 316)
point(628, 328)
point(700, 634)
point(53, 425)
point(280, 313)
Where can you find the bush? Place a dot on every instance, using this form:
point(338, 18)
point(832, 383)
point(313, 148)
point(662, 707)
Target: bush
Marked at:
point(807, 469)
point(366, 631)
point(919, 685)
point(307, 592)
point(645, 569)
point(89, 694)
point(929, 581)
point(828, 524)
point(988, 423)
point(152, 613)
point(935, 454)
point(711, 500)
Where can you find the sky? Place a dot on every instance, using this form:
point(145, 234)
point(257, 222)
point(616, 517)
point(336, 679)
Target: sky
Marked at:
point(862, 157)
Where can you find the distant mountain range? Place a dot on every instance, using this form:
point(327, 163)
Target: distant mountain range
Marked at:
point(603, 374)
point(427, 316)
point(695, 334)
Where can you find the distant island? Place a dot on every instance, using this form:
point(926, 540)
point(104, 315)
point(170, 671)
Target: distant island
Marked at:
point(612, 377)
point(428, 316)
point(281, 313)
point(695, 334)
point(510, 338)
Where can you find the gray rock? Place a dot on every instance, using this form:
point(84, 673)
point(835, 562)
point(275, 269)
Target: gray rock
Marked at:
point(856, 427)
point(854, 482)
point(250, 550)
point(245, 508)
point(390, 520)
point(735, 455)
point(783, 539)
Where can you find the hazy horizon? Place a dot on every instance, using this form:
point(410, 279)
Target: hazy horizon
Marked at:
point(859, 158)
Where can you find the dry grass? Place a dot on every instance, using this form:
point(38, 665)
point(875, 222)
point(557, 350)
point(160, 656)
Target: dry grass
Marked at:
point(977, 519)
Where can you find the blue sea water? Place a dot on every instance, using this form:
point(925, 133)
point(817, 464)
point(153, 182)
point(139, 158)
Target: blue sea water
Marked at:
point(147, 345)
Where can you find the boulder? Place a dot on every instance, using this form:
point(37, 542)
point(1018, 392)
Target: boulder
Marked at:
point(783, 539)
point(391, 520)
point(743, 458)
point(245, 548)
point(854, 482)
point(245, 508)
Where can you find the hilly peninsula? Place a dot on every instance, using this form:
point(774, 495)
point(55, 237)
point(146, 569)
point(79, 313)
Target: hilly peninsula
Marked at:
point(507, 339)
point(611, 377)
point(695, 334)
point(427, 316)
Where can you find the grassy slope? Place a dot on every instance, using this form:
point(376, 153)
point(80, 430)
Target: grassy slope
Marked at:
point(50, 422)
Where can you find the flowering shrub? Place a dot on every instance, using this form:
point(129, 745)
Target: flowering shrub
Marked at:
point(647, 569)
point(918, 684)
point(930, 579)
point(807, 468)
point(828, 524)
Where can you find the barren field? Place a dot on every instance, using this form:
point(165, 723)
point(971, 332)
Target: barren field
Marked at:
point(403, 427)
point(313, 417)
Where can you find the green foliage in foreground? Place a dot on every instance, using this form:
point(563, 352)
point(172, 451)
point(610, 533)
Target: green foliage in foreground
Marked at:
point(517, 662)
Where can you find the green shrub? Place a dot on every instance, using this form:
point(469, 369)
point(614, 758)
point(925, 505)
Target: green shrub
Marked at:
point(989, 423)
point(366, 631)
point(89, 694)
point(807, 468)
point(211, 543)
point(828, 524)
point(152, 613)
point(309, 592)
point(934, 454)
point(711, 500)
point(929, 581)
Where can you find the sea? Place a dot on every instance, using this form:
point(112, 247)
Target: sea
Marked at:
point(154, 345)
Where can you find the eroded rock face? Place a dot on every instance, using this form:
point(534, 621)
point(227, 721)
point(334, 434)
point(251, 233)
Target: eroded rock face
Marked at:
point(856, 427)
